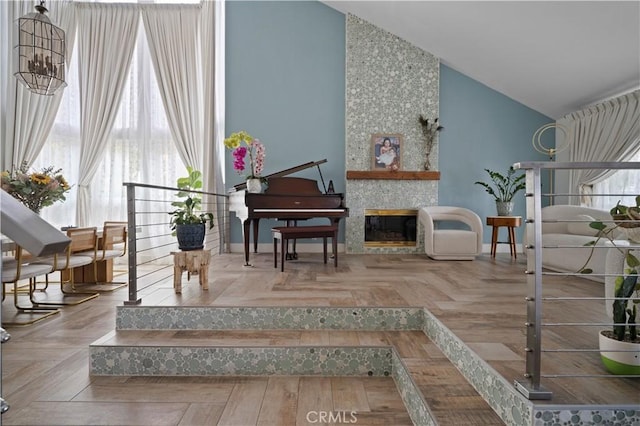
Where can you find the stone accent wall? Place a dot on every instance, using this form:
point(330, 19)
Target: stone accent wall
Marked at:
point(389, 84)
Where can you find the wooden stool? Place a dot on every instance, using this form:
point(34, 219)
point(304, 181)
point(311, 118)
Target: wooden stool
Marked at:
point(286, 233)
point(195, 262)
point(510, 222)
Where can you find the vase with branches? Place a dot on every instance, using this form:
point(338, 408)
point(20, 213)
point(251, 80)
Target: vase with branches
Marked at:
point(430, 129)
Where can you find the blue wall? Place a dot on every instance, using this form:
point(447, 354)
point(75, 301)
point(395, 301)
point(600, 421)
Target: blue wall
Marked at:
point(285, 82)
point(285, 85)
point(483, 130)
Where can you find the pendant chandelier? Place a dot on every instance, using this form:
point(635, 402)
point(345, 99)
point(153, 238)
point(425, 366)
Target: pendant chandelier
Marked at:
point(41, 50)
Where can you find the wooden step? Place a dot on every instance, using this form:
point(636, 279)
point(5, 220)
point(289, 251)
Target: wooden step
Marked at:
point(431, 387)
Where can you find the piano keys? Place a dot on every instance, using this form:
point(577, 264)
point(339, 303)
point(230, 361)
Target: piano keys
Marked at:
point(286, 198)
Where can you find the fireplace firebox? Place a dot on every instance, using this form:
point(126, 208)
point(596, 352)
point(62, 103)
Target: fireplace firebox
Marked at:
point(391, 227)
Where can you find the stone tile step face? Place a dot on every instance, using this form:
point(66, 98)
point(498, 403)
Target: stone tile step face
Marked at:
point(269, 318)
point(239, 361)
point(249, 352)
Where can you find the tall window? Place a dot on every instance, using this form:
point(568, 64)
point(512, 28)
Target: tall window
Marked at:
point(621, 182)
point(140, 147)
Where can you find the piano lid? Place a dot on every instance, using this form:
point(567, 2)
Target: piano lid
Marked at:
point(298, 168)
point(287, 185)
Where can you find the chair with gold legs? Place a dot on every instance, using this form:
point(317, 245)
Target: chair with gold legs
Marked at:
point(14, 270)
point(80, 252)
point(111, 244)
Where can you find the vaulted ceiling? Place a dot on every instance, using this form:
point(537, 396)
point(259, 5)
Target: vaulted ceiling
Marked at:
point(555, 57)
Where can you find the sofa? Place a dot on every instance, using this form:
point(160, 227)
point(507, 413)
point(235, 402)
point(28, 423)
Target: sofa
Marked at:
point(569, 228)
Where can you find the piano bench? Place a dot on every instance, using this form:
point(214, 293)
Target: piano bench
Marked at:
point(286, 233)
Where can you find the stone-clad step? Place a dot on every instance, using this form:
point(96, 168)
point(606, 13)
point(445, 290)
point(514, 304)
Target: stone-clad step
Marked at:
point(416, 376)
point(268, 318)
point(399, 354)
point(511, 406)
point(250, 352)
point(172, 354)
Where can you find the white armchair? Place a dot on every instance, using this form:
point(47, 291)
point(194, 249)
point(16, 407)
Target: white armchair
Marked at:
point(451, 244)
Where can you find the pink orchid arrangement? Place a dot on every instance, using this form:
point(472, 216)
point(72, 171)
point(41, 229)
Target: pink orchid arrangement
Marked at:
point(253, 147)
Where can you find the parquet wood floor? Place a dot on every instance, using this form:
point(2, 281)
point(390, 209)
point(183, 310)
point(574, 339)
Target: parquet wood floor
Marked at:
point(45, 366)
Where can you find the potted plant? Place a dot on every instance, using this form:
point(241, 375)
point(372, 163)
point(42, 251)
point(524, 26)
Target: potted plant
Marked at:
point(503, 188)
point(628, 219)
point(187, 222)
point(620, 346)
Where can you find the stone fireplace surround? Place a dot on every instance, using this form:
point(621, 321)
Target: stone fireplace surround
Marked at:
point(389, 84)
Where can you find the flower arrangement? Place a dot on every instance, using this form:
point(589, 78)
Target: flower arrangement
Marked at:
point(36, 189)
point(253, 147)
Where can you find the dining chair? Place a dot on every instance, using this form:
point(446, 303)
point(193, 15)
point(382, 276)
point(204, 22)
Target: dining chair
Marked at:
point(80, 252)
point(112, 243)
point(16, 269)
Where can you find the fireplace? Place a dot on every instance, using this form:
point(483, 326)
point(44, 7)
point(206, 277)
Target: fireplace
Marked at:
point(392, 227)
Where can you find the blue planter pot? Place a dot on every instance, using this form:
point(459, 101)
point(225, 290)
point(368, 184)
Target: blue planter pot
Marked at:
point(190, 236)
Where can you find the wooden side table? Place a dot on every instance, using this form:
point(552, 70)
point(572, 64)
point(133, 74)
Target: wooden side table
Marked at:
point(195, 262)
point(511, 222)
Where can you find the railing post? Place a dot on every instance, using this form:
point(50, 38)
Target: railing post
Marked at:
point(133, 249)
point(530, 387)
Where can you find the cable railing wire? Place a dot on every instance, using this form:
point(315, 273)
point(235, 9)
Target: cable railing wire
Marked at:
point(531, 385)
point(151, 242)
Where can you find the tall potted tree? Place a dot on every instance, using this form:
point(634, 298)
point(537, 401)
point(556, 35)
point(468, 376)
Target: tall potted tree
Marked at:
point(503, 188)
point(187, 221)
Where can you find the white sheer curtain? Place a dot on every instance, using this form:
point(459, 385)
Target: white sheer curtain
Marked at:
point(107, 35)
point(621, 182)
point(213, 59)
point(29, 117)
point(139, 147)
point(609, 131)
point(172, 32)
point(62, 149)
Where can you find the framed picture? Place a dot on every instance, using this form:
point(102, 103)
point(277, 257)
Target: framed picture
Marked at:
point(386, 149)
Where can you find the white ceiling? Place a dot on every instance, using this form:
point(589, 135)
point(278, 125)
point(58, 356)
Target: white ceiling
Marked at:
point(555, 57)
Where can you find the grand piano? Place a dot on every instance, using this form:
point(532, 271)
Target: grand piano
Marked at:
point(286, 198)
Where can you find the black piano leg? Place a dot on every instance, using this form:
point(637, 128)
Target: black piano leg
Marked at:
point(256, 225)
point(247, 229)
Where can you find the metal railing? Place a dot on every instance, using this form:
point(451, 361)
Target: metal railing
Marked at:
point(536, 324)
point(150, 240)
